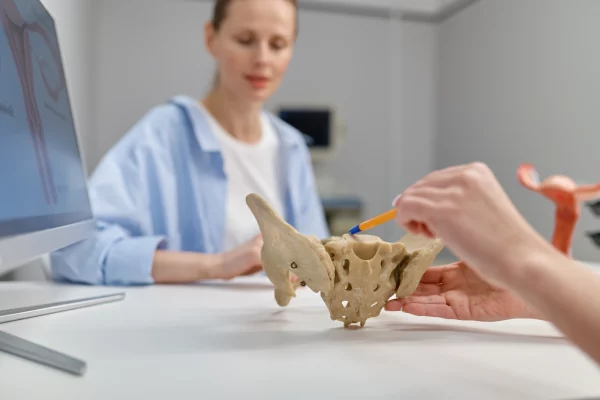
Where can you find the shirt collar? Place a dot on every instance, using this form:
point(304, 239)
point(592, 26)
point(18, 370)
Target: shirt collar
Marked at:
point(208, 142)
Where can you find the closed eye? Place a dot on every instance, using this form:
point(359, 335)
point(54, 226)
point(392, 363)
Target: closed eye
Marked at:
point(278, 44)
point(245, 41)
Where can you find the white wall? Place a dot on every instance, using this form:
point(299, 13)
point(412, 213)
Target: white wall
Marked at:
point(419, 95)
point(75, 23)
point(425, 6)
point(340, 59)
point(519, 83)
point(413, 107)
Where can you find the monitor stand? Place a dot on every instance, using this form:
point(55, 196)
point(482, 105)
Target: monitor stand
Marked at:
point(20, 347)
point(13, 314)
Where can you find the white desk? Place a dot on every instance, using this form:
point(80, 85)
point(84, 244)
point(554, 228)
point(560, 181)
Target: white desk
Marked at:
point(233, 342)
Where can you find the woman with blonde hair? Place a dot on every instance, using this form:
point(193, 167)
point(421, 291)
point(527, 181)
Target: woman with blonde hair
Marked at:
point(169, 197)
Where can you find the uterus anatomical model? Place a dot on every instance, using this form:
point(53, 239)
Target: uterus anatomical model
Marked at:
point(567, 197)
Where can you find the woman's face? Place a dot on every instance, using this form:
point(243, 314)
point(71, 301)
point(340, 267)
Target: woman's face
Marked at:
point(253, 46)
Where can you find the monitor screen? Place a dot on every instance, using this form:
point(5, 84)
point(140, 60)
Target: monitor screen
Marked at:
point(315, 124)
point(42, 179)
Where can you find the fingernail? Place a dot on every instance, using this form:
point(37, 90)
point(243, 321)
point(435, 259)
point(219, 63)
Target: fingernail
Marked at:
point(396, 200)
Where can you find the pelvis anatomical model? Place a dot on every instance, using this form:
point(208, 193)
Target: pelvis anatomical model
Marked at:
point(355, 274)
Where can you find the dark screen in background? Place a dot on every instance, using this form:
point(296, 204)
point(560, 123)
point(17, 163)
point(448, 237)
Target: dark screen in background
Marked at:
point(315, 124)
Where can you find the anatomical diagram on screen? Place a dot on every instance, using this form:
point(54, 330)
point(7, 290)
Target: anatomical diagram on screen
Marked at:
point(19, 36)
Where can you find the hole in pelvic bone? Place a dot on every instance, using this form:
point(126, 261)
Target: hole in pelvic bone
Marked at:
point(336, 278)
point(345, 303)
point(376, 288)
point(404, 263)
point(347, 266)
point(332, 256)
point(365, 251)
point(348, 286)
point(397, 259)
point(396, 272)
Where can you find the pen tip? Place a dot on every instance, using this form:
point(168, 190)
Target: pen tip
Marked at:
point(354, 230)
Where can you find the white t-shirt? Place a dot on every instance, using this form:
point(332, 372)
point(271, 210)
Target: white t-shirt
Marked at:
point(250, 168)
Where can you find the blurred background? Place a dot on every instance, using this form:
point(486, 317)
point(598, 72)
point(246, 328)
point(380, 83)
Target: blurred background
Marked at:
point(392, 89)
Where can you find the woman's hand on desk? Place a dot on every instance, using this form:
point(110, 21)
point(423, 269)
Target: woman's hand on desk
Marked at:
point(185, 267)
point(243, 260)
point(454, 291)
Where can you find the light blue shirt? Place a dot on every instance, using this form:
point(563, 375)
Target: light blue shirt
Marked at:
point(163, 186)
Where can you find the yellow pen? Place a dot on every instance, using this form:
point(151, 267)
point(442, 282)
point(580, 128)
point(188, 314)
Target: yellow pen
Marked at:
point(373, 222)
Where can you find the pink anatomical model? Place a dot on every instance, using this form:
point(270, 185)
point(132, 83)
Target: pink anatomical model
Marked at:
point(566, 196)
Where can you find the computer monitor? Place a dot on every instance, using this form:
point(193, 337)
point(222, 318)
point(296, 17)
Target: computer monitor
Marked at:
point(44, 202)
point(319, 124)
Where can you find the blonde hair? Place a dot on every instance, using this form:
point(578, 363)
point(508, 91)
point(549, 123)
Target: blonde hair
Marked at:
point(220, 12)
point(219, 15)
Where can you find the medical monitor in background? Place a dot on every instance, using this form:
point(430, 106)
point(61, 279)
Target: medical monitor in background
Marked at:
point(44, 202)
point(319, 124)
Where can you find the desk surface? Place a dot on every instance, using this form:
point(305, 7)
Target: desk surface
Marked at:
point(230, 340)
